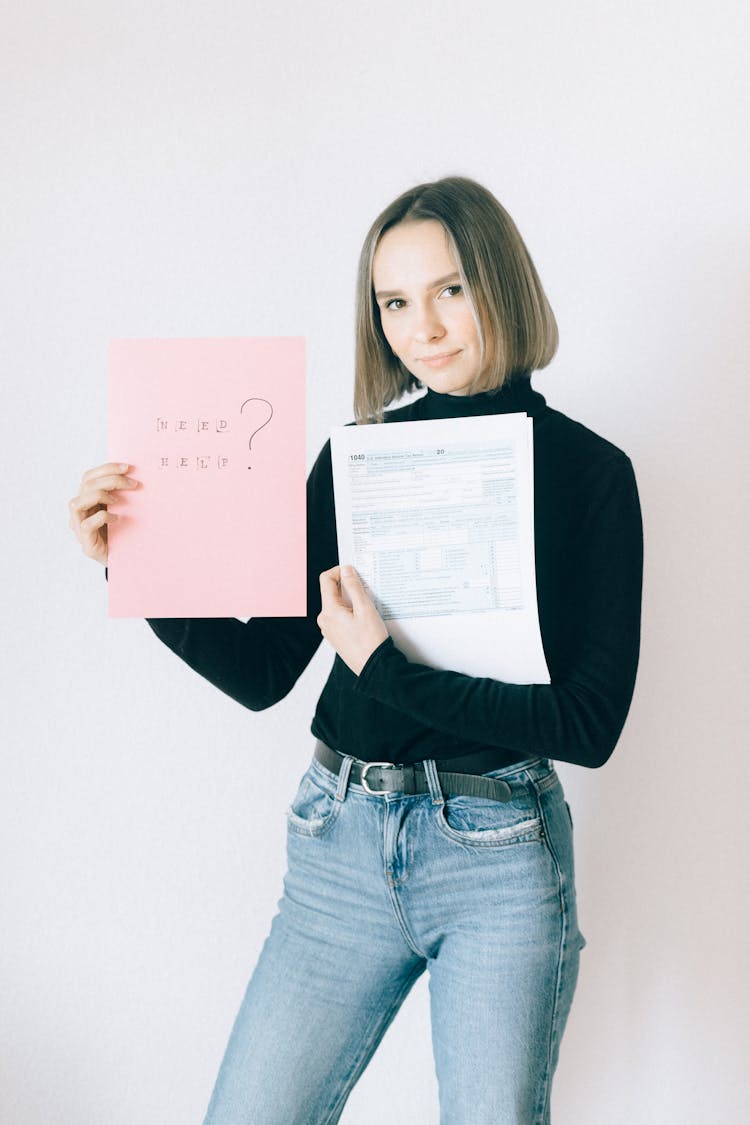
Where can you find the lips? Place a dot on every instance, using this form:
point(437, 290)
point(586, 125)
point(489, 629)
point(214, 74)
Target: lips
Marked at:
point(439, 359)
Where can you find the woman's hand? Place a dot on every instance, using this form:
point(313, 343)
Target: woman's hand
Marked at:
point(88, 510)
point(354, 630)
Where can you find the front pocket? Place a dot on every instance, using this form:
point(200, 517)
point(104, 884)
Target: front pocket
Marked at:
point(480, 821)
point(313, 810)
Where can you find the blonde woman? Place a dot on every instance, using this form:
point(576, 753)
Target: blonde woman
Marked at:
point(430, 831)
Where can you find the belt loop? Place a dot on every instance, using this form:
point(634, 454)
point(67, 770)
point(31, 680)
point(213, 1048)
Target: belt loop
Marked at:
point(433, 781)
point(346, 769)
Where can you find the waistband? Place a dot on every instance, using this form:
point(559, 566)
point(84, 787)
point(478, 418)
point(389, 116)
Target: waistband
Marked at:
point(379, 778)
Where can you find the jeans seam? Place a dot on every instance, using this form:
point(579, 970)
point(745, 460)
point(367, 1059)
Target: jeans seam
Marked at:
point(544, 783)
point(543, 1116)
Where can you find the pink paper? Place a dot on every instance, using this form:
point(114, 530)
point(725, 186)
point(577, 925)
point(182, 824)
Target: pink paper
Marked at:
point(215, 432)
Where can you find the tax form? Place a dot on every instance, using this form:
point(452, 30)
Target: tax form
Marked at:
point(438, 519)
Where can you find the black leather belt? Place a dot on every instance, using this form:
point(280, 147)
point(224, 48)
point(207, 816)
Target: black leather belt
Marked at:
point(386, 777)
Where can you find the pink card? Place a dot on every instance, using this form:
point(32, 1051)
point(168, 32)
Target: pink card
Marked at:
point(214, 429)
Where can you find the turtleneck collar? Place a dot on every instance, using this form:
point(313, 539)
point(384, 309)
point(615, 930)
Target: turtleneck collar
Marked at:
point(515, 396)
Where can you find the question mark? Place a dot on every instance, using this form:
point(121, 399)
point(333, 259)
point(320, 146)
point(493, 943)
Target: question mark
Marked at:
point(265, 423)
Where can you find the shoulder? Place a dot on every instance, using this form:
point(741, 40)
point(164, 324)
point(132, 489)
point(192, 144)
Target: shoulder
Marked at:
point(320, 477)
point(558, 437)
point(407, 413)
point(582, 474)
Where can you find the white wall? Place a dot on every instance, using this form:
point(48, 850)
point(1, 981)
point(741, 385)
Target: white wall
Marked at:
point(211, 169)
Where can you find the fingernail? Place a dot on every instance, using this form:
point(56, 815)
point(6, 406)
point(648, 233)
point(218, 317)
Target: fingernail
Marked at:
point(347, 571)
point(123, 466)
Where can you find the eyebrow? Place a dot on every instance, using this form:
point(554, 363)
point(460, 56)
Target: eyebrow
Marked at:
point(382, 294)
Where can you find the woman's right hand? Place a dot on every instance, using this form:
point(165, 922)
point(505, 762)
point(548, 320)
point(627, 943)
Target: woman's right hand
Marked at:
point(88, 510)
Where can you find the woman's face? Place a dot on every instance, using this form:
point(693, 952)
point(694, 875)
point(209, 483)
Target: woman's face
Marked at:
point(425, 316)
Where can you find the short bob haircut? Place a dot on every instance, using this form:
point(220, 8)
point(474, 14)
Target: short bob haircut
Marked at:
point(516, 326)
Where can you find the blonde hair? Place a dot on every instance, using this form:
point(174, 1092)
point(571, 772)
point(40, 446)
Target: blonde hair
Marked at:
point(516, 326)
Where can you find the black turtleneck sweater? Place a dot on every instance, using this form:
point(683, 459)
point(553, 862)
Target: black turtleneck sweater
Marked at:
point(589, 552)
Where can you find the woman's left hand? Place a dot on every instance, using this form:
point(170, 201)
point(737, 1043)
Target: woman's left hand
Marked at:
point(355, 630)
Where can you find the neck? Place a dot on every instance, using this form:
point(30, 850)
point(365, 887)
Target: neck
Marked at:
point(514, 396)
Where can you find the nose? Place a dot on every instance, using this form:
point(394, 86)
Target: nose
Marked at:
point(428, 325)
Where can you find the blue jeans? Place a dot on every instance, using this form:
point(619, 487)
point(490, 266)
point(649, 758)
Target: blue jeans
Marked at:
point(378, 889)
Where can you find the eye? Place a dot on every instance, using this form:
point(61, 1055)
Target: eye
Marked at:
point(453, 290)
point(394, 301)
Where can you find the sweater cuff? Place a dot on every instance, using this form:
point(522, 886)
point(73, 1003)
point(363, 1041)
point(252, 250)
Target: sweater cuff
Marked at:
point(386, 656)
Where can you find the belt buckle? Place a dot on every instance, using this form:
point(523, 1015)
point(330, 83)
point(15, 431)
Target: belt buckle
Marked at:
point(363, 777)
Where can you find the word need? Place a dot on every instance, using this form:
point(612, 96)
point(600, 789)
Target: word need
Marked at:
point(192, 425)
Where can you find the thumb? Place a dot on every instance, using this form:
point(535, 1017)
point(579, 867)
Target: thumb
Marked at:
point(354, 588)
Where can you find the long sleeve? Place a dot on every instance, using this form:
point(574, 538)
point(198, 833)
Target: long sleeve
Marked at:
point(589, 550)
point(578, 717)
point(258, 662)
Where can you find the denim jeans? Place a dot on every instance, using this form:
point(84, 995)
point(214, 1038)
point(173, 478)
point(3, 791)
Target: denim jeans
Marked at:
point(378, 889)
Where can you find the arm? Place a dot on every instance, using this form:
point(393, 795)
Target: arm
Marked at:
point(257, 663)
point(578, 717)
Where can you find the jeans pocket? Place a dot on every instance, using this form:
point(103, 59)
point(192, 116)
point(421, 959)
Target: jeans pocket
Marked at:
point(482, 822)
point(314, 808)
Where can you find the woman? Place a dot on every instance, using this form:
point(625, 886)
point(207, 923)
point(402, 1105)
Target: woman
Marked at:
point(454, 852)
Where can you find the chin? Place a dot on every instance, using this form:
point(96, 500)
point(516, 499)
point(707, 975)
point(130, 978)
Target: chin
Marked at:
point(449, 387)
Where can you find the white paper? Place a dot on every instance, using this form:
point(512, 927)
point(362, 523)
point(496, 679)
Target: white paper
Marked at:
point(438, 519)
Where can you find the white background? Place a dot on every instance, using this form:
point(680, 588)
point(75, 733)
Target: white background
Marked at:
point(211, 169)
